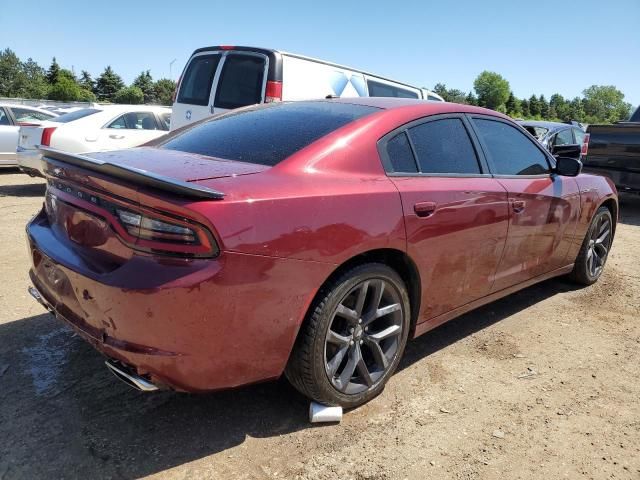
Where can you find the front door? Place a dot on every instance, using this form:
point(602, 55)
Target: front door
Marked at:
point(455, 214)
point(543, 207)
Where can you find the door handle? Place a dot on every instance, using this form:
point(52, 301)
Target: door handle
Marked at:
point(424, 209)
point(116, 137)
point(518, 205)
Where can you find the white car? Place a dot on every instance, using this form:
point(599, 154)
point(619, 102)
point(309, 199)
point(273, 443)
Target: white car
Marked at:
point(220, 78)
point(105, 127)
point(11, 118)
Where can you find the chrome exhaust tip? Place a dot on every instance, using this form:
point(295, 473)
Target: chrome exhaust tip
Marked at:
point(130, 378)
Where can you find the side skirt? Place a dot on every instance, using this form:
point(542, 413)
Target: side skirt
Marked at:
point(432, 323)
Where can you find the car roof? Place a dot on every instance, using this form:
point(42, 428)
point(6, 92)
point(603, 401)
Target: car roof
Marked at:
point(426, 107)
point(545, 124)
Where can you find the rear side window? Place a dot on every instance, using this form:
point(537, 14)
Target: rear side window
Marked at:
point(135, 121)
point(240, 82)
point(195, 86)
point(579, 135)
point(400, 155)
point(510, 151)
point(78, 114)
point(4, 119)
point(377, 89)
point(444, 146)
point(266, 135)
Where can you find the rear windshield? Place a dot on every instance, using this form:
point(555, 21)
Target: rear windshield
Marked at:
point(266, 135)
point(195, 86)
point(71, 116)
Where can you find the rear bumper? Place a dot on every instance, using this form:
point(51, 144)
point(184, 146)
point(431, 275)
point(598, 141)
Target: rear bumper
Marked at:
point(190, 325)
point(29, 161)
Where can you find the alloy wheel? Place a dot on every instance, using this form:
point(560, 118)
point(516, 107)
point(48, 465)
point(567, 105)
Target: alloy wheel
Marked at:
point(363, 336)
point(599, 244)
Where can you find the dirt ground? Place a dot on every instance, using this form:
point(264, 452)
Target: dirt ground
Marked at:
point(542, 384)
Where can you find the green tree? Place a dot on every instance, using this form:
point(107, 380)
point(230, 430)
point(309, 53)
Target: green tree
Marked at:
point(471, 99)
point(524, 107)
point(108, 84)
point(544, 107)
point(492, 90)
point(12, 81)
point(534, 106)
point(86, 81)
point(129, 95)
point(144, 82)
point(575, 110)
point(164, 89)
point(557, 109)
point(441, 89)
point(605, 104)
point(67, 90)
point(513, 106)
point(456, 96)
point(35, 85)
point(52, 73)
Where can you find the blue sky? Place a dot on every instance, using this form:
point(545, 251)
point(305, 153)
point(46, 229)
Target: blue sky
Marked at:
point(539, 47)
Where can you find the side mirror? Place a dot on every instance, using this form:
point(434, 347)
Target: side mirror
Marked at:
point(572, 151)
point(568, 167)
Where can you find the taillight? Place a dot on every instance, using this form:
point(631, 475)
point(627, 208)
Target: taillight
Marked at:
point(46, 136)
point(141, 226)
point(175, 90)
point(227, 47)
point(585, 144)
point(273, 92)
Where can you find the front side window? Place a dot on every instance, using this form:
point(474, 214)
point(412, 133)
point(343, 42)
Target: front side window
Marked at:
point(135, 121)
point(195, 86)
point(27, 115)
point(379, 89)
point(510, 151)
point(444, 146)
point(241, 81)
point(564, 137)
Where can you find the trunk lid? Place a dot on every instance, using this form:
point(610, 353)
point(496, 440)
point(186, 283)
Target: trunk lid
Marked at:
point(31, 136)
point(186, 167)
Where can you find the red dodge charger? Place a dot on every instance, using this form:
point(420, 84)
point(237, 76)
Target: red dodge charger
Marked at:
point(307, 238)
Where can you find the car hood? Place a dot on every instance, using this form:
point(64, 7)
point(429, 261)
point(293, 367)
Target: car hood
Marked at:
point(187, 167)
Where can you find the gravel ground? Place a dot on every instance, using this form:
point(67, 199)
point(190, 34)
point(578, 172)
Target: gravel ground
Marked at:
point(542, 384)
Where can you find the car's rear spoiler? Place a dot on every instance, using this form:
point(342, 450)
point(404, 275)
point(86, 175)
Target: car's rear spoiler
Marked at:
point(134, 175)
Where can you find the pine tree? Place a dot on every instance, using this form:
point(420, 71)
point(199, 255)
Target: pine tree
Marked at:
point(471, 99)
point(144, 82)
point(524, 106)
point(53, 72)
point(544, 107)
point(534, 106)
point(108, 84)
point(511, 105)
point(86, 81)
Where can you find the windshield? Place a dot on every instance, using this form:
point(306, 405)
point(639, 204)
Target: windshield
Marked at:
point(266, 135)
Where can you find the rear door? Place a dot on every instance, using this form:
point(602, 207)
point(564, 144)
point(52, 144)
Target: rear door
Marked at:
point(455, 213)
point(217, 81)
point(8, 137)
point(543, 207)
point(128, 130)
point(196, 86)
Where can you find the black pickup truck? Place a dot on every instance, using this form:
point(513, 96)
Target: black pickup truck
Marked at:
point(614, 151)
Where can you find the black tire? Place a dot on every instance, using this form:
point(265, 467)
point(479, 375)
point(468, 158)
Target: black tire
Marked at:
point(308, 369)
point(583, 271)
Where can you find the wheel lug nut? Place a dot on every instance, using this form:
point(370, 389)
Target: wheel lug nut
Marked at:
point(360, 320)
point(351, 330)
point(351, 342)
point(361, 342)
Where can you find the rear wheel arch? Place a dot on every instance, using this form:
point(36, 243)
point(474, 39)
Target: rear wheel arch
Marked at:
point(398, 260)
point(612, 206)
